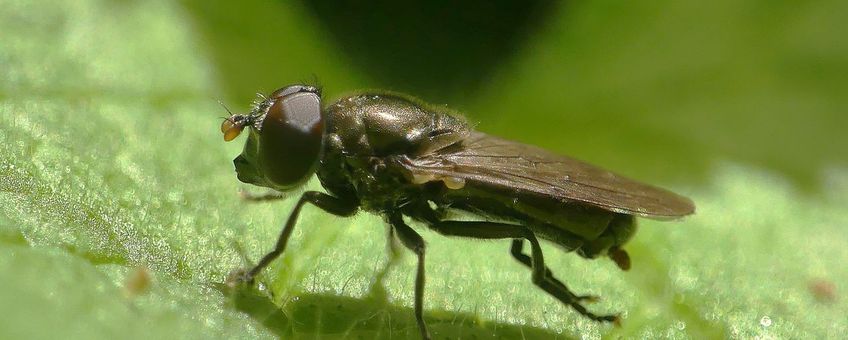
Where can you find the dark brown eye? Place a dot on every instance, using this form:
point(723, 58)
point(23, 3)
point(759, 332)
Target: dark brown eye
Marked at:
point(291, 134)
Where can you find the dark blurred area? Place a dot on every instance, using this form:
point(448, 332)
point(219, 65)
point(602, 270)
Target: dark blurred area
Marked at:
point(442, 50)
point(661, 91)
point(437, 49)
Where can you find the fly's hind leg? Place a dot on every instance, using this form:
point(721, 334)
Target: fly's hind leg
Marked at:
point(541, 275)
point(518, 254)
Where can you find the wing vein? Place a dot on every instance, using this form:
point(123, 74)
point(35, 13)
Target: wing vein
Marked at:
point(529, 169)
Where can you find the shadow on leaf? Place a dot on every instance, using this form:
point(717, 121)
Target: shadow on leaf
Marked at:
point(308, 315)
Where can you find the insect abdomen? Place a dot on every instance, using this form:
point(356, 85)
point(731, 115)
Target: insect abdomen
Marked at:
point(569, 224)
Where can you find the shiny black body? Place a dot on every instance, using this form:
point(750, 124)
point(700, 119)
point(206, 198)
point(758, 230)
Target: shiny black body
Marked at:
point(371, 139)
point(396, 156)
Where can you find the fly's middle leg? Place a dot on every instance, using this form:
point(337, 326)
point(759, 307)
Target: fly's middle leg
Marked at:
point(410, 239)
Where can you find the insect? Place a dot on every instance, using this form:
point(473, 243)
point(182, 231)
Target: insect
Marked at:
point(396, 156)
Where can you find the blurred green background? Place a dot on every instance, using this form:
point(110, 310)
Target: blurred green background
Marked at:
point(112, 165)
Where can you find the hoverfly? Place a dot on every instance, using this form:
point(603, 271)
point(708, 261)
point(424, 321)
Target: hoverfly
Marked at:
point(395, 156)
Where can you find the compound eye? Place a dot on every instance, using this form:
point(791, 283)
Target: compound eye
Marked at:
point(292, 89)
point(291, 138)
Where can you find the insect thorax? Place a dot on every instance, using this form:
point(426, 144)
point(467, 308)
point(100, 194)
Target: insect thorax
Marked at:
point(364, 133)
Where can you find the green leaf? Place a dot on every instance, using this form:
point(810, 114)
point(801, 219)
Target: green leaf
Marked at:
point(119, 216)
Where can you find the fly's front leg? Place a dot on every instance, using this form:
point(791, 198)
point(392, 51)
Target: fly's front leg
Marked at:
point(330, 204)
point(414, 242)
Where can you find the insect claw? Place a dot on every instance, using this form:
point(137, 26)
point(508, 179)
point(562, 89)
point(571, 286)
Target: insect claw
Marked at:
point(239, 277)
point(616, 321)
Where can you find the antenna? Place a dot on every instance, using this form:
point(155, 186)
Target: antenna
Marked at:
point(225, 107)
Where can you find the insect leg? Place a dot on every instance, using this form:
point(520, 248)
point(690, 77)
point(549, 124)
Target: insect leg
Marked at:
point(392, 243)
point(414, 242)
point(494, 230)
point(268, 196)
point(330, 204)
point(518, 254)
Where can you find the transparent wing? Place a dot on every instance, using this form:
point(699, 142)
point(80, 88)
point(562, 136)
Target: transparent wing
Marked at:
point(486, 160)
